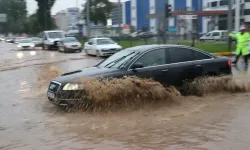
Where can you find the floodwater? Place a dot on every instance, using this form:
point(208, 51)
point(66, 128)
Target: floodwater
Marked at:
point(28, 121)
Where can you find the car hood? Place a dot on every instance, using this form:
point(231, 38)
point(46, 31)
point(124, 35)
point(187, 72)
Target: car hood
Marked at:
point(26, 44)
point(108, 46)
point(72, 43)
point(55, 39)
point(89, 72)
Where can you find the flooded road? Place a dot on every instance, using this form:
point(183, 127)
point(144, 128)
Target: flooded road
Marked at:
point(29, 121)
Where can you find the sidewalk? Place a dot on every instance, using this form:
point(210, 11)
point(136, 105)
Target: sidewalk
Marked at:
point(224, 54)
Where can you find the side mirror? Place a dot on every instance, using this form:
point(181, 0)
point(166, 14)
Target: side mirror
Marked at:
point(90, 43)
point(137, 65)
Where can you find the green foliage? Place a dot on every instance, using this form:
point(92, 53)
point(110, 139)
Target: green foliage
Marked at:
point(16, 15)
point(100, 11)
point(44, 14)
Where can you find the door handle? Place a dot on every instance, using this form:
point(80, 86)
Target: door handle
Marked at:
point(198, 66)
point(166, 70)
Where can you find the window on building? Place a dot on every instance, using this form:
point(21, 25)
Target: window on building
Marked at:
point(246, 11)
point(223, 2)
point(247, 0)
point(214, 4)
point(208, 5)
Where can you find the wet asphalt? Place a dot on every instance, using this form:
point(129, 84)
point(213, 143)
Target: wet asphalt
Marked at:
point(29, 121)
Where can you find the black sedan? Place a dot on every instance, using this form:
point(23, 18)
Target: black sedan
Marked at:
point(167, 64)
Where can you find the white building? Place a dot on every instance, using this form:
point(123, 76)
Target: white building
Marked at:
point(241, 13)
point(66, 19)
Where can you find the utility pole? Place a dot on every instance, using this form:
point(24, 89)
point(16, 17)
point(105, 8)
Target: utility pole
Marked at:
point(88, 18)
point(120, 18)
point(229, 22)
point(45, 14)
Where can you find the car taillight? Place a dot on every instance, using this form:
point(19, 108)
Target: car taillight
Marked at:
point(229, 63)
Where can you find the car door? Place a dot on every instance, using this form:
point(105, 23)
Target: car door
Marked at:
point(88, 46)
point(155, 65)
point(208, 36)
point(181, 65)
point(216, 35)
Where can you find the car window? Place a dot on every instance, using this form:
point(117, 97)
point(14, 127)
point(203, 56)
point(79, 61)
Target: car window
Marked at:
point(91, 40)
point(180, 55)
point(200, 56)
point(153, 58)
point(104, 41)
point(208, 34)
point(216, 34)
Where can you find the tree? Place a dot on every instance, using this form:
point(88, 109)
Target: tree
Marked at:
point(16, 15)
point(100, 11)
point(44, 14)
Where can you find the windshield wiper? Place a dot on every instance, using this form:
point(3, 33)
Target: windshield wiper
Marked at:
point(117, 60)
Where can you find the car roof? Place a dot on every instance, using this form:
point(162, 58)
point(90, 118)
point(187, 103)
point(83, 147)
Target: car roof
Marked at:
point(153, 46)
point(53, 31)
point(101, 38)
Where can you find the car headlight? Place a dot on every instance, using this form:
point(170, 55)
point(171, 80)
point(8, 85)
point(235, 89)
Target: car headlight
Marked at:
point(32, 45)
point(73, 86)
point(19, 46)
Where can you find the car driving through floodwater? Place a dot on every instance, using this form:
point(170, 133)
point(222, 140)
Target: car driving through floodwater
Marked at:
point(167, 64)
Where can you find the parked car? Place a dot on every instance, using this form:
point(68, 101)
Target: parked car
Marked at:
point(70, 44)
point(26, 44)
point(18, 39)
point(38, 41)
point(10, 40)
point(101, 47)
point(217, 35)
point(167, 64)
point(51, 39)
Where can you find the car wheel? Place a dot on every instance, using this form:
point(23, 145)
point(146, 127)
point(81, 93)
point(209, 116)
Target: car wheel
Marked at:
point(86, 51)
point(98, 54)
point(80, 50)
point(46, 47)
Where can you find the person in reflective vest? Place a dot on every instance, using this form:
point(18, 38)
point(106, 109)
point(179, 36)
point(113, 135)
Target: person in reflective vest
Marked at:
point(243, 38)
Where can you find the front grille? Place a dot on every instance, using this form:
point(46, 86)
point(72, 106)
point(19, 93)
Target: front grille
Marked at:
point(25, 46)
point(54, 87)
point(110, 50)
point(74, 45)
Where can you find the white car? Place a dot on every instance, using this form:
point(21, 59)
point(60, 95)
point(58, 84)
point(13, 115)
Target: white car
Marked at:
point(101, 47)
point(217, 35)
point(26, 44)
point(51, 39)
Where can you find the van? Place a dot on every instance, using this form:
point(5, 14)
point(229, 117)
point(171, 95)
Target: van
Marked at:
point(216, 35)
point(51, 39)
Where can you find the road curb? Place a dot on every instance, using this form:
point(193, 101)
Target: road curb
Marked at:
point(224, 54)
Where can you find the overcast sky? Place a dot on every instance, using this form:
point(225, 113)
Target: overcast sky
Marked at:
point(59, 5)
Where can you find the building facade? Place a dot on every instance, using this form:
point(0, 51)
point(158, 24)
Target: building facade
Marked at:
point(67, 19)
point(117, 14)
point(134, 13)
point(241, 14)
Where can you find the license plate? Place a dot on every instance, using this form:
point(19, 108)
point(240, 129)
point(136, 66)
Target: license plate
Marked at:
point(51, 95)
point(61, 49)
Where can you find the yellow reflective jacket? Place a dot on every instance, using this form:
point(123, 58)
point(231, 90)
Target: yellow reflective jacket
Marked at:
point(242, 47)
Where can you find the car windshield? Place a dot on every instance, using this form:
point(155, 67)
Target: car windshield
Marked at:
point(118, 60)
point(70, 40)
point(104, 41)
point(26, 41)
point(36, 39)
point(54, 35)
